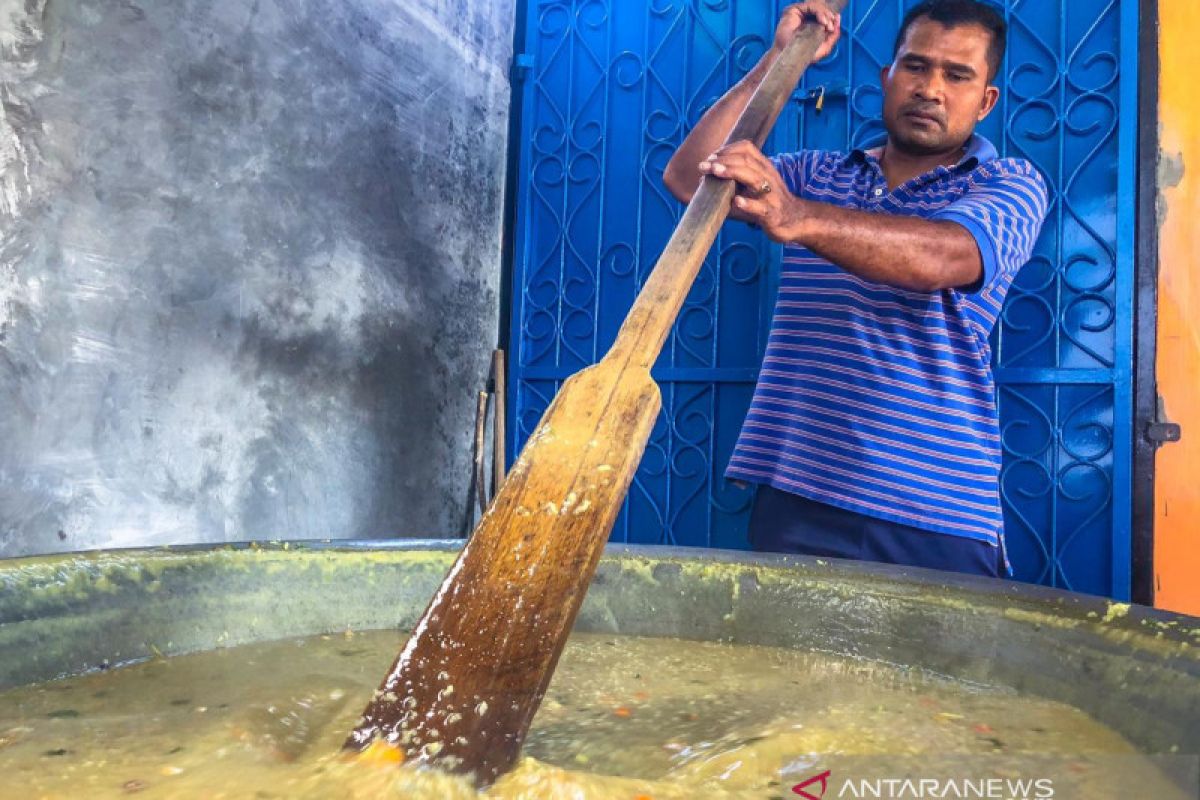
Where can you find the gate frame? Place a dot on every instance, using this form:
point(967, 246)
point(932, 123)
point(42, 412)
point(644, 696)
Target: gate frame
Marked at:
point(1145, 326)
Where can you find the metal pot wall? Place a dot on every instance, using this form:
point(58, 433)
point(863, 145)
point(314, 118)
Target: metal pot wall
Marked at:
point(1132, 668)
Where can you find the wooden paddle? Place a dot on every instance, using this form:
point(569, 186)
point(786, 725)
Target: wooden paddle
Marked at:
point(464, 689)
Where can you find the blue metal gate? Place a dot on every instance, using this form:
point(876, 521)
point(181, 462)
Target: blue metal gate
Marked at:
point(608, 89)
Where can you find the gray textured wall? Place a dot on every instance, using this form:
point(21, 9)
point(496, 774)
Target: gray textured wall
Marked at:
point(249, 265)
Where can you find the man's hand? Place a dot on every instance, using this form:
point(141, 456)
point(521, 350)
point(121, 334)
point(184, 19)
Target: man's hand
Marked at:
point(796, 15)
point(763, 198)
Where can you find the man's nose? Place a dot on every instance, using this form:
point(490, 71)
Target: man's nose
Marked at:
point(933, 88)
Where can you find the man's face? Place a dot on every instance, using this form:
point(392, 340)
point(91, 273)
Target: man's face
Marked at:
point(936, 90)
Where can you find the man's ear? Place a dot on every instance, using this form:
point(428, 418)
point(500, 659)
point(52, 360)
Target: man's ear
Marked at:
point(990, 96)
point(884, 73)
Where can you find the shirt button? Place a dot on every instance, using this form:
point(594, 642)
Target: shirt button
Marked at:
point(878, 192)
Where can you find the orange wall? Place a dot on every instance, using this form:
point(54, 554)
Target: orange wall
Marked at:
point(1177, 500)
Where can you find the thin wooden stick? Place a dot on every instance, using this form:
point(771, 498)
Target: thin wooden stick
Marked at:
point(499, 388)
point(481, 490)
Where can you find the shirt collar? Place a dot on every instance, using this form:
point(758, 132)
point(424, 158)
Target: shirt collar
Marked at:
point(979, 151)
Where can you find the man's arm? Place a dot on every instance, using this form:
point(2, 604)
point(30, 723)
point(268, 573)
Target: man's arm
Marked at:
point(682, 175)
point(905, 252)
point(961, 251)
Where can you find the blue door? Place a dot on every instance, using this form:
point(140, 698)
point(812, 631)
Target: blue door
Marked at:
point(608, 89)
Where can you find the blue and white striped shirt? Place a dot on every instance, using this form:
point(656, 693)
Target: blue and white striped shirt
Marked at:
point(881, 400)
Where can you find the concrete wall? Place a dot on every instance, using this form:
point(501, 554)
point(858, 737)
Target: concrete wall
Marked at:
point(249, 265)
point(1177, 531)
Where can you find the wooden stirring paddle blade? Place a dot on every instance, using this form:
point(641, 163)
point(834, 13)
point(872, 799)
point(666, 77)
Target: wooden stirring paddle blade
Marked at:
point(464, 689)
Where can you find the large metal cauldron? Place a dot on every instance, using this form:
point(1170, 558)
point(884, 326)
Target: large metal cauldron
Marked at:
point(1135, 669)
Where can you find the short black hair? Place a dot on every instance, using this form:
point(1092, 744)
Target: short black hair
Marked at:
point(952, 13)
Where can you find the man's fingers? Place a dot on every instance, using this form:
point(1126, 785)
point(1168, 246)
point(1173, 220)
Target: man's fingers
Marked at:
point(743, 171)
point(818, 11)
point(741, 150)
point(732, 159)
point(744, 163)
point(751, 158)
point(750, 209)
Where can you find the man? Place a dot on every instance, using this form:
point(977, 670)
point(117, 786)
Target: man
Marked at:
point(873, 433)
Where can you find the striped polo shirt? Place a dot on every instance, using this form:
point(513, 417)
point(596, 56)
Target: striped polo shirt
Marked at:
point(881, 400)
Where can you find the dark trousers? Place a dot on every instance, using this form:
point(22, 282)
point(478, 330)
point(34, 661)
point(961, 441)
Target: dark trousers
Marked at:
point(782, 522)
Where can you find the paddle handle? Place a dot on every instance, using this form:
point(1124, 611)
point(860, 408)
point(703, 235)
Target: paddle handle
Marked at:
point(658, 304)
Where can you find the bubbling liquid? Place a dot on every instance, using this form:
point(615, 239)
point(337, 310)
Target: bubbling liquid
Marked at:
point(624, 718)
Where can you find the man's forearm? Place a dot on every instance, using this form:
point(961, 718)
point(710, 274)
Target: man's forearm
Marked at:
point(906, 252)
point(682, 175)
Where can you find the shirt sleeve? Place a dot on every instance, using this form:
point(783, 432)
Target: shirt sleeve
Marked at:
point(796, 169)
point(1003, 210)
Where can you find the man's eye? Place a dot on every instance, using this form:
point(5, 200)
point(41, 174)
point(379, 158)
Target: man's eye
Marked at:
point(958, 77)
point(916, 67)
